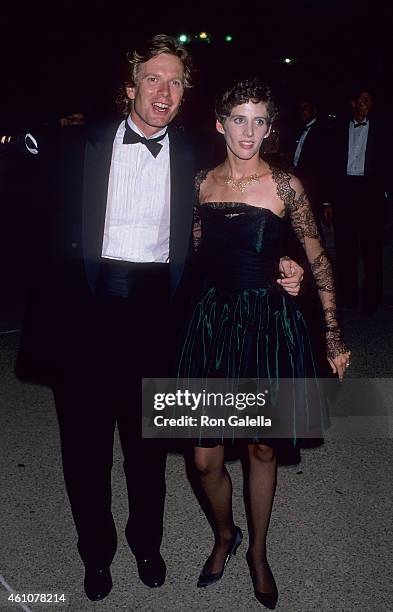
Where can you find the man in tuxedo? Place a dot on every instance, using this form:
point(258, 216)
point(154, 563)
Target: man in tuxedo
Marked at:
point(359, 175)
point(137, 196)
point(121, 266)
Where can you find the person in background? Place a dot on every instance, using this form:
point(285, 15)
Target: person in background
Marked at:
point(309, 152)
point(359, 174)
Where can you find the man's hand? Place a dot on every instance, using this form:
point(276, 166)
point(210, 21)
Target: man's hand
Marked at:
point(291, 275)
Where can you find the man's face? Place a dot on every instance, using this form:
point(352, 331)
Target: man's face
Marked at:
point(157, 94)
point(306, 111)
point(245, 129)
point(362, 105)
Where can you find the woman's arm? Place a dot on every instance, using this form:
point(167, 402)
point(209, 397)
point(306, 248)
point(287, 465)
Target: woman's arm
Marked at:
point(305, 228)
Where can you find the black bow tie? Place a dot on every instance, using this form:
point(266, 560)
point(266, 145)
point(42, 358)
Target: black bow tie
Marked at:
point(131, 137)
point(355, 125)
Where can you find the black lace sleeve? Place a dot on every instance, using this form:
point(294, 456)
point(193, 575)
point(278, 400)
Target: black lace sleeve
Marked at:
point(197, 224)
point(290, 191)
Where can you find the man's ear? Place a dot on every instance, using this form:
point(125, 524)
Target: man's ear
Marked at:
point(220, 127)
point(130, 91)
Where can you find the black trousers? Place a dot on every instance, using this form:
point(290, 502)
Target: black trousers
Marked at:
point(358, 217)
point(120, 339)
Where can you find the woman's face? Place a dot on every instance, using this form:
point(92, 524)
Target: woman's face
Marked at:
point(245, 129)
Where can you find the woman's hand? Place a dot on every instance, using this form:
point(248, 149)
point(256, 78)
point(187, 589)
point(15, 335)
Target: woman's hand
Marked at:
point(340, 364)
point(338, 354)
point(291, 275)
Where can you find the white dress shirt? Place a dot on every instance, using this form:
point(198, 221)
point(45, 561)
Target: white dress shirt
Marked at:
point(300, 143)
point(137, 216)
point(357, 142)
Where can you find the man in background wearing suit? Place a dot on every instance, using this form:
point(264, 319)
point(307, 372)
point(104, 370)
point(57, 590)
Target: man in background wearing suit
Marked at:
point(359, 174)
point(309, 152)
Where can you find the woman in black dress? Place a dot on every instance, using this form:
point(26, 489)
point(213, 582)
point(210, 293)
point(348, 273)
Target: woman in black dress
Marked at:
point(243, 324)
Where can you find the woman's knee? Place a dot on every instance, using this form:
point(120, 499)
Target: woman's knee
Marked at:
point(208, 460)
point(262, 452)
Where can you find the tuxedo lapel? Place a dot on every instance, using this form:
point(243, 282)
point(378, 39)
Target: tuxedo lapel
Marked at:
point(345, 148)
point(306, 154)
point(181, 205)
point(97, 164)
point(371, 148)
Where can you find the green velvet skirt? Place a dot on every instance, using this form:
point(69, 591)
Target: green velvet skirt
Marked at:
point(257, 334)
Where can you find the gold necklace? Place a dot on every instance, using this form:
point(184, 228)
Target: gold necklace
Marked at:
point(243, 183)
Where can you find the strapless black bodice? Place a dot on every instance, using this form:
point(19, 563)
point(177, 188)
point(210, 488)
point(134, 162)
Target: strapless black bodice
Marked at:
point(241, 244)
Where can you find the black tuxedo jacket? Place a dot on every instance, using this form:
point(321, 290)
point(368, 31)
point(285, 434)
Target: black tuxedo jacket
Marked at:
point(377, 166)
point(314, 147)
point(78, 184)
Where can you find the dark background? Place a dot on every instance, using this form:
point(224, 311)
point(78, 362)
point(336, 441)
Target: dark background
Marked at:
point(69, 56)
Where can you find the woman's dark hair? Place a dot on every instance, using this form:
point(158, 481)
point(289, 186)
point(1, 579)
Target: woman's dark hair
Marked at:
point(244, 91)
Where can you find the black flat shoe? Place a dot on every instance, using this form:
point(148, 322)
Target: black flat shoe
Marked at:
point(269, 600)
point(205, 578)
point(151, 570)
point(98, 582)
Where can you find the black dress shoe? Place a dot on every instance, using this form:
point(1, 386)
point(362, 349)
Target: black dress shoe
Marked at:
point(98, 582)
point(205, 578)
point(151, 569)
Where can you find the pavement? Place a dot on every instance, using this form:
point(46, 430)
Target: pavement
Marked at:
point(330, 540)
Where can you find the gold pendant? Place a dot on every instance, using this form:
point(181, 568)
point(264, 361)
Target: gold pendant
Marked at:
point(242, 184)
